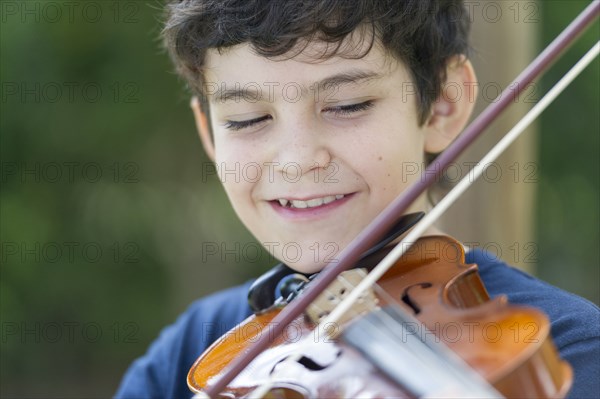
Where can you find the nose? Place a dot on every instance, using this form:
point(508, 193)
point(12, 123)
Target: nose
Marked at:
point(303, 147)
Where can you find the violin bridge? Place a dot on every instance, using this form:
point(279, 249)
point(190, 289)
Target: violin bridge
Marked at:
point(336, 292)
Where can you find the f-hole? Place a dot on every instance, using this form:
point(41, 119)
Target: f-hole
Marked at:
point(308, 363)
point(409, 301)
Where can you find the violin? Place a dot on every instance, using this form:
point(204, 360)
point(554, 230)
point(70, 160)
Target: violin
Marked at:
point(510, 346)
point(359, 342)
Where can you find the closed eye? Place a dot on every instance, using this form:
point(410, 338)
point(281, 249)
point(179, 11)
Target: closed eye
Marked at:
point(344, 110)
point(341, 110)
point(238, 125)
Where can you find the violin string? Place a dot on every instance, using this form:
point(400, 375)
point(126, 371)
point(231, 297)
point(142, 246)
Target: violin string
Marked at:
point(465, 183)
point(405, 244)
point(262, 390)
point(429, 367)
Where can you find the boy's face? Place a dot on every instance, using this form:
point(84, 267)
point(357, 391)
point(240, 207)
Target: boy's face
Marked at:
point(313, 151)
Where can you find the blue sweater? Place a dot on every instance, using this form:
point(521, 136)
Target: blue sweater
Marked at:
point(162, 371)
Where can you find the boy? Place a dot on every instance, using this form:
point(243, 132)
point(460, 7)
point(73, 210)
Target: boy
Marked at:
point(317, 96)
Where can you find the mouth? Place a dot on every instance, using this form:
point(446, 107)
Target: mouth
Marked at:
point(311, 203)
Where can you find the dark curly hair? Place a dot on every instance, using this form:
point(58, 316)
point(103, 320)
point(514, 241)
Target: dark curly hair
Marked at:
point(423, 34)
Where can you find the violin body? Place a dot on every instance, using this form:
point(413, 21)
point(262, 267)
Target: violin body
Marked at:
point(510, 346)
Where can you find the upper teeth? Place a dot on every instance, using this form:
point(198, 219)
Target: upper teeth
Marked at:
point(311, 203)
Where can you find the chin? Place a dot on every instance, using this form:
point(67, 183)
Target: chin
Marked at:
point(310, 268)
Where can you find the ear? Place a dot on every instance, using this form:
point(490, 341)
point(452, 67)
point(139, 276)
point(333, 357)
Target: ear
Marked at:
point(451, 111)
point(203, 128)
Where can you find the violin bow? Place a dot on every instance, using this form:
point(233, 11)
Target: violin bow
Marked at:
point(405, 244)
point(383, 222)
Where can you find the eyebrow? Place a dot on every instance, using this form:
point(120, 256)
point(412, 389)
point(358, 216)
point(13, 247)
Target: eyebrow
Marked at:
point(346, 78)
point(355, 76)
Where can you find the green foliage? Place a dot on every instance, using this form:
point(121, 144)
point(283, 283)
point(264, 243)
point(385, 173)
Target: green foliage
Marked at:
point(568, 196)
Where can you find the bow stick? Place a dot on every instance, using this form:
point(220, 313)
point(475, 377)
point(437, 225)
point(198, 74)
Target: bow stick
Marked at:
point(404, 245)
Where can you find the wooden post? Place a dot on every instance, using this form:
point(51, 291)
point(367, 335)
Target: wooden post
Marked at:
point(497, 213)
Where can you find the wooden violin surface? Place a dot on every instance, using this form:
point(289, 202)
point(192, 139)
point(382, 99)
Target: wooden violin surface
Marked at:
point(510, 346)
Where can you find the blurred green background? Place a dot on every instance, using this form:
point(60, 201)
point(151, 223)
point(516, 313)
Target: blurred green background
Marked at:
point(106, 203)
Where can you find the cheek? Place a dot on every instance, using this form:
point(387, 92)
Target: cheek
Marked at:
point(235, 171)
point(392, 166)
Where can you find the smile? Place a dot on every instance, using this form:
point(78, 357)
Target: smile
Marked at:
point(311, 203)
